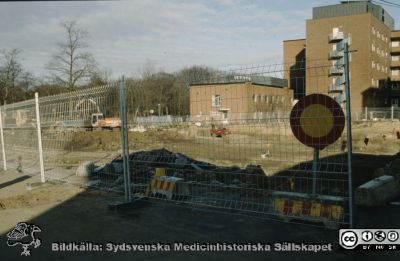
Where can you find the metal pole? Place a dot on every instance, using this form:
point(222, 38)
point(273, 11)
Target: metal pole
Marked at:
point(124, 141)
point(392, 112)
point(366, 113)
point(315, 170)
point(349, 136)
point(2, 141)
point(39, 131)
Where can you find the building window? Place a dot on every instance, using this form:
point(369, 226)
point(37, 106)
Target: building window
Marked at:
point(372, 82)
point(266, 98)
point(373, 65)
point(373, 30)
point(260, 98)
point(216, 100)
point(254, 98)
point(373, 47)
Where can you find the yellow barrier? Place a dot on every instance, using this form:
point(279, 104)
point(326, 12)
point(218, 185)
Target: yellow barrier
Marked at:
point(308, 209)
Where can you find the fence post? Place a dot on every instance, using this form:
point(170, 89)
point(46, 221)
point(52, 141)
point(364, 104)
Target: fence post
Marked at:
point(349, 134)
point(2, 141)
point(39, 131)
point(391, 113)
point(124, 140)
point(366, 113)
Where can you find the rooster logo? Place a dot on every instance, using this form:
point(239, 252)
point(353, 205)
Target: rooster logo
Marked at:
point(23, 234)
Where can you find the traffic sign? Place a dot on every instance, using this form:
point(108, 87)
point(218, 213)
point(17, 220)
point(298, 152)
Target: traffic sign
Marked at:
point(317, 120)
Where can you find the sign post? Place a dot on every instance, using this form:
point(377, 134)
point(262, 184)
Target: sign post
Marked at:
point(317, 121)
point(315, 170)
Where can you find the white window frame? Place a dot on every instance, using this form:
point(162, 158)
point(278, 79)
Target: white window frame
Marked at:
point(216, 100)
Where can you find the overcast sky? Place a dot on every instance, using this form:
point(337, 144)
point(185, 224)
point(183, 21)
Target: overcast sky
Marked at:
point(127, 35)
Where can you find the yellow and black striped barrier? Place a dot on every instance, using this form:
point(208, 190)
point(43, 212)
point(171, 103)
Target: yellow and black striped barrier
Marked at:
point(297, 205)
point(165, 185)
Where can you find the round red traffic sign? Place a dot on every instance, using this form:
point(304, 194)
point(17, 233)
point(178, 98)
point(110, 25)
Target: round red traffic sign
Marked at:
point(317, 120)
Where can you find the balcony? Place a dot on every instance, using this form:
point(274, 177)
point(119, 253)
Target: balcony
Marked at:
point(395, 78)
point(335, 54)
point(395, 47)
point(336, 70)
point(395, 64)
point(338, 85)
point(395, 50)
point(336, 37)
point(336, 88)
point(341, 98)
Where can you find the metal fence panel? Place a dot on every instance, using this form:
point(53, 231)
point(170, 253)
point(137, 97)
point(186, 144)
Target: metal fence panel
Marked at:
point(225, 142)
point(237, 150)
point(20, 137)
point(77, 139)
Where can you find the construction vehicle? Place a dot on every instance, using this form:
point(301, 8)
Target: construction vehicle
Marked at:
point(98, 121)
point(218, 131)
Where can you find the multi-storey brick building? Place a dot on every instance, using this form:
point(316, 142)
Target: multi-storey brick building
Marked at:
point(369, 30)
point(239, 97)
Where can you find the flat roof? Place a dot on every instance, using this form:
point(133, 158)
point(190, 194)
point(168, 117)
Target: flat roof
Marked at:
point(348, 8)
point(300, 39)
point(254, 79)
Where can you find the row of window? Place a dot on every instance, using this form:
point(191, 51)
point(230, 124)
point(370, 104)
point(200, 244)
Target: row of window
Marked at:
point(380, 35)
point(216, 99)
point(379, 67)
point(379, 51)
point(268, 98)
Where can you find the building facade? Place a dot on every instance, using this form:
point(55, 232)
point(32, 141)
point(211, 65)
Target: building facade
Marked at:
point(369, 30)
point(243, 98)
point(294, 57)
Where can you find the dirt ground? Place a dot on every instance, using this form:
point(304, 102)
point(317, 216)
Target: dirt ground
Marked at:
point(246, 144)
point(71, 213)
point(67, 213)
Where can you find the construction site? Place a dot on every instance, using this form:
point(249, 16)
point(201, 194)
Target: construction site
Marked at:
point(284, 158)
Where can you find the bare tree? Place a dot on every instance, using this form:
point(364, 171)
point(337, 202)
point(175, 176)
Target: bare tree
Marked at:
point(72, 63)
point(10, 70)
